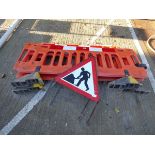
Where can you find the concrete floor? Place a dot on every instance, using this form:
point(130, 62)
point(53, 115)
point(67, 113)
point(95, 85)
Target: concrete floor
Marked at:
point(58, 111)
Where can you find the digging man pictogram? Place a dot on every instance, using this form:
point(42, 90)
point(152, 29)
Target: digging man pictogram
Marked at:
point(85, 76)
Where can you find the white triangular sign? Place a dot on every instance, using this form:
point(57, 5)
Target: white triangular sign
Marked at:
point(82, 78)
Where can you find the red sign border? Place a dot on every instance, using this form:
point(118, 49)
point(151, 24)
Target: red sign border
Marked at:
point(95, 79)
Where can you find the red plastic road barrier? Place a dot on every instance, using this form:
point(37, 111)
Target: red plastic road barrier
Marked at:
point(55, 59)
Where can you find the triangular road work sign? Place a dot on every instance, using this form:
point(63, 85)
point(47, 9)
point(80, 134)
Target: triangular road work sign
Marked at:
point(82, 79)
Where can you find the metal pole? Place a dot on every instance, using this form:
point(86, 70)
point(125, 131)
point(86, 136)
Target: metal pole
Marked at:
point(92, 113)
point(9, 32)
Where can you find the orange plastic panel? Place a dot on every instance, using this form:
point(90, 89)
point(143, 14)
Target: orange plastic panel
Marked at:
point(55, 59)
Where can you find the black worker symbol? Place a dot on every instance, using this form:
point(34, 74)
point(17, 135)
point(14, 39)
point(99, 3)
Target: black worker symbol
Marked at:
point(83, 76)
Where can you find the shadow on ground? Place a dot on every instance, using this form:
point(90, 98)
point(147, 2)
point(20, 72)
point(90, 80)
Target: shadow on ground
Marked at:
point(121, 32)
point(64, 27)
point(53, 26)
